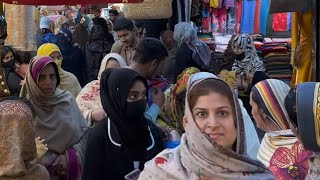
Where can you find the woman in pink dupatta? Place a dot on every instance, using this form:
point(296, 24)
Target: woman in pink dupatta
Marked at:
point(58, 120)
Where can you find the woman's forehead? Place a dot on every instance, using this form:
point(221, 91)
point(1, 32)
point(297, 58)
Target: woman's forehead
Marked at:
point(138, 85)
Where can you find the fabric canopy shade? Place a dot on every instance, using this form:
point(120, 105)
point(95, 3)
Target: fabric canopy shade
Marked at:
point(65, 2)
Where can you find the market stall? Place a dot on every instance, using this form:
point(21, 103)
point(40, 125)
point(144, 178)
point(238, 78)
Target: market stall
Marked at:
point(23, 17)
point(65, 2)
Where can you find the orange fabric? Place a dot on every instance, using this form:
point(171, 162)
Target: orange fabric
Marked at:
point(257, 17)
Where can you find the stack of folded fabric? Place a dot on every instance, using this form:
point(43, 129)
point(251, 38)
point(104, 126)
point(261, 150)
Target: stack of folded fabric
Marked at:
point(276, 57)
point(259, 48)
point(258, 43)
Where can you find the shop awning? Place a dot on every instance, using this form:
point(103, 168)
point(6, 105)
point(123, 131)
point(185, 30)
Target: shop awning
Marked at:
point(65, 2)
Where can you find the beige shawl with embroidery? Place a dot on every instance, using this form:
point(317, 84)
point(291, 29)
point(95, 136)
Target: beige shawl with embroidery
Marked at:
point(17, 143)
point(199, 157)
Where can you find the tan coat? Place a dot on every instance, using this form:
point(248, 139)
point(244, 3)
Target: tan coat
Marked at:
point(126, 52)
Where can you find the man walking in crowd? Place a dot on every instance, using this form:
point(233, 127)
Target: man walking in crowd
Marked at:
point(148, 61)
point(113, 15)
point(71, 23)
point(126, 47)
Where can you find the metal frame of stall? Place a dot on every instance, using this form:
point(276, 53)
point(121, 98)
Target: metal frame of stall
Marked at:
point(316, 23)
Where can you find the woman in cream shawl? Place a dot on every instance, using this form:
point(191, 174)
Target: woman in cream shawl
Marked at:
point(68, 81)
point(17, 142)
point(58, 121)
point(172, 117)
point(279, 151)
point(202, 155)
point(88, 99)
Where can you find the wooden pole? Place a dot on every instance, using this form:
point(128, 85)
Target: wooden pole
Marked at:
point(317, 33)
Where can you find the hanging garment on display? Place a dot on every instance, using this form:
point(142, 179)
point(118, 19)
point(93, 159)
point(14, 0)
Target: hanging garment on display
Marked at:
point(231, 21)
point(178, 13)
point(188, 10)
point(219, 20)
point(247, 21)
point(281, 6)
point(279, 22)
point(264, 16)
point(238, 16)
point(196, 12)
point(214, 4)
point(148, 9)
point(302, 68)
point(257, 17)
point(289, 21)
point(206, 22)
point(228, 3)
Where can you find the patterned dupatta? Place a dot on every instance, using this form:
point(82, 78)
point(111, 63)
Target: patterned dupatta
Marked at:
point(174, 110)
point(251, 62)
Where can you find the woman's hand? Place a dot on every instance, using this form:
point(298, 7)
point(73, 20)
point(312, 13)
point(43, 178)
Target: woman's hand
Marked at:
point(61, 165)
point(175, 136)
point(158, 97)
point(98, 115)
point(41, 147)
point(234, 84)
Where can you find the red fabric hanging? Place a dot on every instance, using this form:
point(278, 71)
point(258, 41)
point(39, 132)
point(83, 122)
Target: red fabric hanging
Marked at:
point(257, 17)
point(279, 22)
point(65, 2)
point(238, 15)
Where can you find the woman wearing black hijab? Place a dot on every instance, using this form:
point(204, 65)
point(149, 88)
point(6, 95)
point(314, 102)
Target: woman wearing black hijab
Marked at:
point(124, 140)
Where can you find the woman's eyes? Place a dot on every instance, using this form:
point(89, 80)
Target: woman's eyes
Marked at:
point(201, 114)
point(205, 114)
point(133, 97)
point(53, 77)
point(136, 96)
point(223, 113)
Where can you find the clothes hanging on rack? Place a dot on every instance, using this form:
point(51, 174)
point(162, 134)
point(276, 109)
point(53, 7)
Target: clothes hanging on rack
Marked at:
point(196, 12)
point(264, 16)
point(238, 15)
point(280, 22)
point(247, 21)
point(257, 17)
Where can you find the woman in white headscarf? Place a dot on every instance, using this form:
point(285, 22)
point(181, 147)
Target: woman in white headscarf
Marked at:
point(213, 146)
point(88, 100)
point(192, 52)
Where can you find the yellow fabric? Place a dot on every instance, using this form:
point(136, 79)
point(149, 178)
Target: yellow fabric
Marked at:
point(295, 32)
point(68, 81)
point(303, 73)
point(59, 63)
point(214, 3)
point(47, 49)
point(229, 77)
